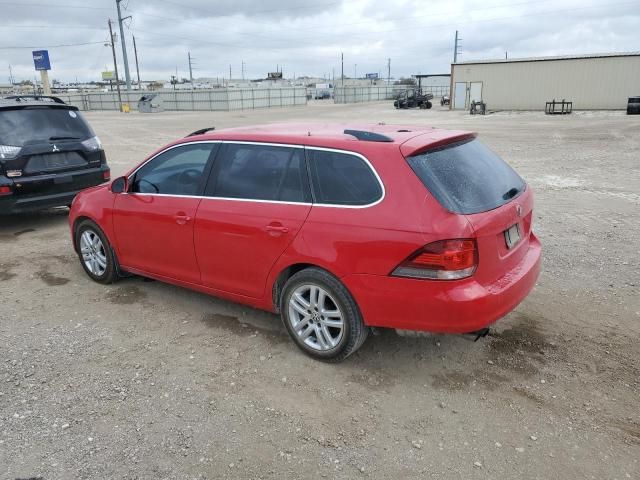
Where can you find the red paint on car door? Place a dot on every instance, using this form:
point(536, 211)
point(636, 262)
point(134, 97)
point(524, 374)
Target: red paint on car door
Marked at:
point(155, 234)
point(237, 242)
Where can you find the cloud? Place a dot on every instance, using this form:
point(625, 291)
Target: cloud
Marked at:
point(306, 37)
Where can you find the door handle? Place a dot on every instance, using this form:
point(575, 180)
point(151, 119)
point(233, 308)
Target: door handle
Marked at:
point(182, 218)
point(276, 228)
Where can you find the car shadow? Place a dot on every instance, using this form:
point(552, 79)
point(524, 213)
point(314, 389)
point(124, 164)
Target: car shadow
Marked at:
point(14, 225)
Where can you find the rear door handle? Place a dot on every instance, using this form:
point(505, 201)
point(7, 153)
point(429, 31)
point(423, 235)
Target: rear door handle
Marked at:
point(276, 228)
point(182, 218)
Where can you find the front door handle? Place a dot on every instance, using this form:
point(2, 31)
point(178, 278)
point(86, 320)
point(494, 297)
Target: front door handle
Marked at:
point(182, 218)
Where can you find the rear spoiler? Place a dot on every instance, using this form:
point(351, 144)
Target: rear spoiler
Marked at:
point(429, 141)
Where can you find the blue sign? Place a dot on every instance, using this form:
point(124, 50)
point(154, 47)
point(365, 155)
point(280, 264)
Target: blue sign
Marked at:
point(372, 76)
point(41, 59)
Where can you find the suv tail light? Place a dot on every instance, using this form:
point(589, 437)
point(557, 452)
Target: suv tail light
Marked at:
point(92, 144)
point(106, 175)
point(5, 190)
point(441, 260)
point(7, 152)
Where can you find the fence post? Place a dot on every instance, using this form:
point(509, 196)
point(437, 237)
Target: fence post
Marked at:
point(253, 99)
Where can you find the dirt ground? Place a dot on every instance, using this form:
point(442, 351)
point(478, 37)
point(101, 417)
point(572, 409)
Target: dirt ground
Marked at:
point(141, 380)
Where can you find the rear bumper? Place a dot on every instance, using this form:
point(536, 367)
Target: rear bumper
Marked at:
point(443, 306)
point(79, 180)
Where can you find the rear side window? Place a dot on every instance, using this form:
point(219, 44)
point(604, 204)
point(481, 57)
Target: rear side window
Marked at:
point(342, 179)
point(260, 172)
point(467, 177)
point(22, 126)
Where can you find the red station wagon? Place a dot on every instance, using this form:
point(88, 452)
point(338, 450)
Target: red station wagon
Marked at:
point(338, 230)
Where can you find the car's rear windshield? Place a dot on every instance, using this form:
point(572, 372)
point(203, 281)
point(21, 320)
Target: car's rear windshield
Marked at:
point(35, 124)
point(466, 177)
point(634, 100)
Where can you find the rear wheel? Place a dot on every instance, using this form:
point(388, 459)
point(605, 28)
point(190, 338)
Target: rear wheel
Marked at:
point(95, 253)
point(321, 316)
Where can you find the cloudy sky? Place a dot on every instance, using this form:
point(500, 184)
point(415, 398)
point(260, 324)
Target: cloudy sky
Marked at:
point(305, 37)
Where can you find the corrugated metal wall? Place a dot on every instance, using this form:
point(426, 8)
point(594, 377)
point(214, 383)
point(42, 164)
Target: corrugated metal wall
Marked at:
point(190, 100)
point(598, 83)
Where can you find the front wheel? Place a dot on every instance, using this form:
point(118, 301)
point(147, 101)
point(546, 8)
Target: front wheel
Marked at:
point(95, 253)
point(321, 316)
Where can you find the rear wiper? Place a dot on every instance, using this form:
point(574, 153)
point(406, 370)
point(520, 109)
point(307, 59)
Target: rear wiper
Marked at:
point(511, 193)
point(64, 138)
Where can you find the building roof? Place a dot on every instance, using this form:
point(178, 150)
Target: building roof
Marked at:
point(559, 57)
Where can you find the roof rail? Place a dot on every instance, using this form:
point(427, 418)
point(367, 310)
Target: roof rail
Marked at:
point(20, 98)
point(368, 136)
point(201, 131)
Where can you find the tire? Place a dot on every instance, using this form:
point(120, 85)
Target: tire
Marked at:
point(95, 253)
point(329, 329)
point(429, 105)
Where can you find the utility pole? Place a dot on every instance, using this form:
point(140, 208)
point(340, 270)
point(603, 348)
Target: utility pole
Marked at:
point(456, 48)
point(342, 74)
point(388, 71)
point(190, 68)
point(355, 71)
point(124, 47)
point(115, 64)
point(243, 70)
point(229, 72)
point(135, 51)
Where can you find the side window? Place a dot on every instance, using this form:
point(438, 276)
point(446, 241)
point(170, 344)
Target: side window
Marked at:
point(342, 179)
point(260, 172)
point(178, 171)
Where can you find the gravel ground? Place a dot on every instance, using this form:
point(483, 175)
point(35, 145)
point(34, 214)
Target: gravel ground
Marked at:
point(142, 380)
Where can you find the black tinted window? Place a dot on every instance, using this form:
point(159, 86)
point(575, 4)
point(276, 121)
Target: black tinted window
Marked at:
point(20, 127)
point(260, 172)
point(178, 171)
point(467, 177)
point(342, 179)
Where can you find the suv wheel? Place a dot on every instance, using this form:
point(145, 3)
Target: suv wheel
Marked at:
point(321, 316)
point(95, 253)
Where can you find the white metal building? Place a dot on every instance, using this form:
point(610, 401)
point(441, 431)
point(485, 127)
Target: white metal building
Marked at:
point(591, 82)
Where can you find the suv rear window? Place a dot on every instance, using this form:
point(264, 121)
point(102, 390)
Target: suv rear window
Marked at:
point(466, 177)
point(35, 124)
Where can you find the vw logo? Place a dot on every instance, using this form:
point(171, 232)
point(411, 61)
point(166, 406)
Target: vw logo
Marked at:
point(55, 148)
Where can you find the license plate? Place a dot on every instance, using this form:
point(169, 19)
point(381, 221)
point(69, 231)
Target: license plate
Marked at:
point(512, 236)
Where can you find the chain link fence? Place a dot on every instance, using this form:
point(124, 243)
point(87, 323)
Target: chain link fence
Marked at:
point(221, 99)
point(373, 94)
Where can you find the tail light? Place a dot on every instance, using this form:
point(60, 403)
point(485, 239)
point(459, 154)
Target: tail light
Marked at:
point(4, 190)
point(92, 144)
point(441, 260)
point(106, 175)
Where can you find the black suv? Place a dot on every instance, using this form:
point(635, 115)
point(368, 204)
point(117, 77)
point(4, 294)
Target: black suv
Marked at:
point(48, 153)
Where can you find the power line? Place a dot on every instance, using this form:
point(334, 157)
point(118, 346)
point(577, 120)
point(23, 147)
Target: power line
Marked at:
point(53, 46)
point(48, 5)
point(217, 14)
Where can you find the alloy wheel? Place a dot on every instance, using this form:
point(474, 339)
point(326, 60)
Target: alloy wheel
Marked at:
point(316, 317)
point(93, 253)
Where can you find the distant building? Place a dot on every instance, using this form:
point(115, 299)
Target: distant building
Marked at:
point(591, 82)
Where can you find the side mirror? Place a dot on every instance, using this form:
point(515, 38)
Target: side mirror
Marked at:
point(120, 185)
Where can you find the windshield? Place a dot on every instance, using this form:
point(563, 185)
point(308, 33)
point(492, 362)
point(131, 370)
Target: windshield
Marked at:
point(23, 126)
point(467, 177)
